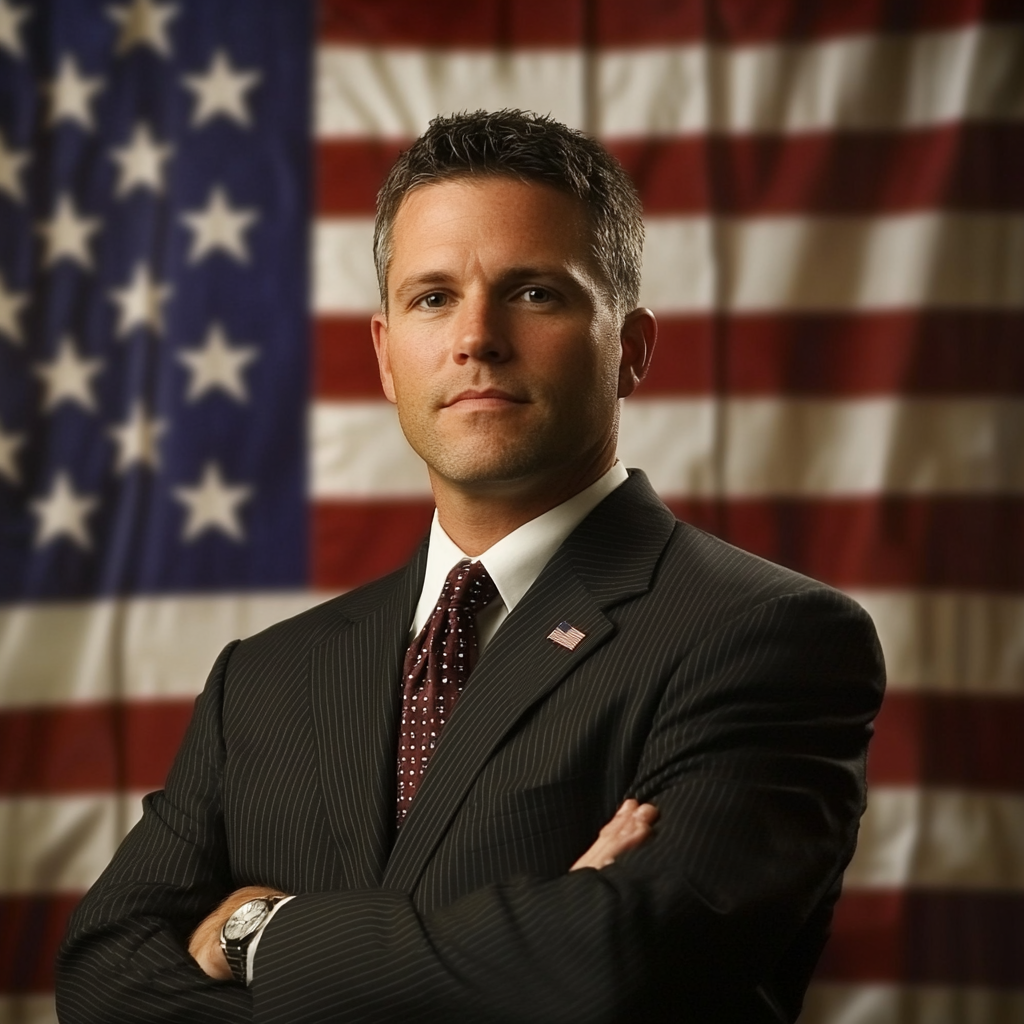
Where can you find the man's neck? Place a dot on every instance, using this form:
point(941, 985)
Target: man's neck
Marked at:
point(477, 517)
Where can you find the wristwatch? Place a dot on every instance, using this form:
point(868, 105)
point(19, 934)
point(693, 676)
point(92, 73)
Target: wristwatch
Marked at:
point(240, 929)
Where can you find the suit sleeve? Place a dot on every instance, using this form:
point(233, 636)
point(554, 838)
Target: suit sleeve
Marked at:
point(125, 956)
point(755, 759)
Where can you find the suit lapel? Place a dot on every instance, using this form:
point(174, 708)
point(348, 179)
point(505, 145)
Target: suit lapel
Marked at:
point(609, 558)
point(355, 700)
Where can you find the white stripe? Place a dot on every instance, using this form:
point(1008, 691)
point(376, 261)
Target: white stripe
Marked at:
point(909, 836)
point(770, 448)
point(937, 838)
point(943, 838)
point(134, 648)
point(27, 1010)
point(765, 264)
point(63, 843)
point(856, 83)
point(949, 641)
point(344, 279)
point(359, 451)
point(819, 264)
point(393, 93)
point(147, 648)
point(828, 1003)
point(860, 83)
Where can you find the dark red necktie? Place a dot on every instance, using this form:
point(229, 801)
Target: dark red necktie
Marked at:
point(437, 665)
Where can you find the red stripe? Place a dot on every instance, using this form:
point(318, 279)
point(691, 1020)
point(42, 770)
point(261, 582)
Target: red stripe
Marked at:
point(949, 740)
point(489, 23)
point(31, 930)
point(90, 748)
point(354, 542)
point(937, 353)
point(973, 543)
point(953, 167)
point(927, 937)
point(920, 739)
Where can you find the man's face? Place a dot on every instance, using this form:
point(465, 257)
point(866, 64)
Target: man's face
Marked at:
point(500, 347)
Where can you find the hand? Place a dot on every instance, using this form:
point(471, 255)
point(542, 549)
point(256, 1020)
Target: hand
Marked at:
point(204, 945)
point(631, 826)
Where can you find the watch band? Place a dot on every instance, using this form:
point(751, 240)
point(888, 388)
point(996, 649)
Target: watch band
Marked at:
point(236, 949)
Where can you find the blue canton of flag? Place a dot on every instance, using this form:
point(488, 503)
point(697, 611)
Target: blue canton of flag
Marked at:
point(154, 197)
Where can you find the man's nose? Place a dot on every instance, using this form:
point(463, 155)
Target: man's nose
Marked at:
point(480, 331)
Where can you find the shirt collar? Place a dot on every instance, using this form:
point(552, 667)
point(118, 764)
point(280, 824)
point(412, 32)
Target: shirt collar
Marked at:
point(515, 561)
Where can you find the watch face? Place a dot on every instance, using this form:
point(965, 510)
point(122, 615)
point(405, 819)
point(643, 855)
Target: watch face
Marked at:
point(245, 919)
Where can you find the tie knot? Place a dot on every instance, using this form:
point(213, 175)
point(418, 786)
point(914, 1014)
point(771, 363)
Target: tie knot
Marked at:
point(469, 586)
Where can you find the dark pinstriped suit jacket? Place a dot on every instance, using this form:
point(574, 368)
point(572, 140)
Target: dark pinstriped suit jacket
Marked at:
point(734, 694)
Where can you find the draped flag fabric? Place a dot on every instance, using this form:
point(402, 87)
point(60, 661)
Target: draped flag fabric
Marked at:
point(193, 442)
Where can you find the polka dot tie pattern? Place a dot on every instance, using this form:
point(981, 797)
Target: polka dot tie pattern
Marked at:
point(437, 665)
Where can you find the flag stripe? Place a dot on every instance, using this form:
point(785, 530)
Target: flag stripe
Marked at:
point(798, 448)
point(150, 660)
point(27, 1009)
point(33, 927)
point(941, 838)
point(934, 641)
point(968, 542)
point(66, 841)
point(948, 352)
point(941, 261)
point(899, 81)
point(943, 739)
point(931, 739)
point(118, 745)
point(832, 1003)
point(951, 641)
point(640, 23)
point(967, 841)
point(953, 166)
point(943, 937)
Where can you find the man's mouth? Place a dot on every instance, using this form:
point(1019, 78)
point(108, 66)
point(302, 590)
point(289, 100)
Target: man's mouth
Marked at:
point(484, 398)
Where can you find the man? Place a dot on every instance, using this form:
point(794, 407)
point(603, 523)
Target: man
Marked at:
point(423, 821)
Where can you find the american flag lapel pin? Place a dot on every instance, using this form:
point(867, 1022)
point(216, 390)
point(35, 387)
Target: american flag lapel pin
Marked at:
point(568, 636)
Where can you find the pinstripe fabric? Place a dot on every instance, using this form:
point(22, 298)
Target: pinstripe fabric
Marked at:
point(734, 694)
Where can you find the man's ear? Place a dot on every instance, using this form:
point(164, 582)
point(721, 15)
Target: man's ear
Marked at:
point(379, 331)
point(637, 337)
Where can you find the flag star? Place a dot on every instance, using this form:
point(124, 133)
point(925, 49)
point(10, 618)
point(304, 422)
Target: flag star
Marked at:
point(219, 227)
point(140, 302)
point(10, 306)
point(68, 378)
point(63, 513)
point(10, 443)
point(11, 163)
point(137, 439)
point(67, 234)
point(144, 22)
point(217, 365)
point(10, 25)
point(213, 504)
point(71, 93)
point(221, 91)
point(141, 161)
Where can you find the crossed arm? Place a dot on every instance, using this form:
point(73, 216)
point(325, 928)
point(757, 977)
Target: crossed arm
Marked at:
point(630, 826)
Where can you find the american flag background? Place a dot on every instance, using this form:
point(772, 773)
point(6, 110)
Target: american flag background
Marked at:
point(193, 442)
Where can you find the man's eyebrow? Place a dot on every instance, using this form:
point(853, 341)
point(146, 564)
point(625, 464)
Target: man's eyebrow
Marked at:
point(422, 280)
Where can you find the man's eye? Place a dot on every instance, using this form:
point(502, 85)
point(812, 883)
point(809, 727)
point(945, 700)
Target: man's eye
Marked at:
point(435, 300)
point(537, 295)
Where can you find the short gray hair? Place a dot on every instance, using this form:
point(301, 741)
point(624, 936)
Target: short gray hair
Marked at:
point(533, 148)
